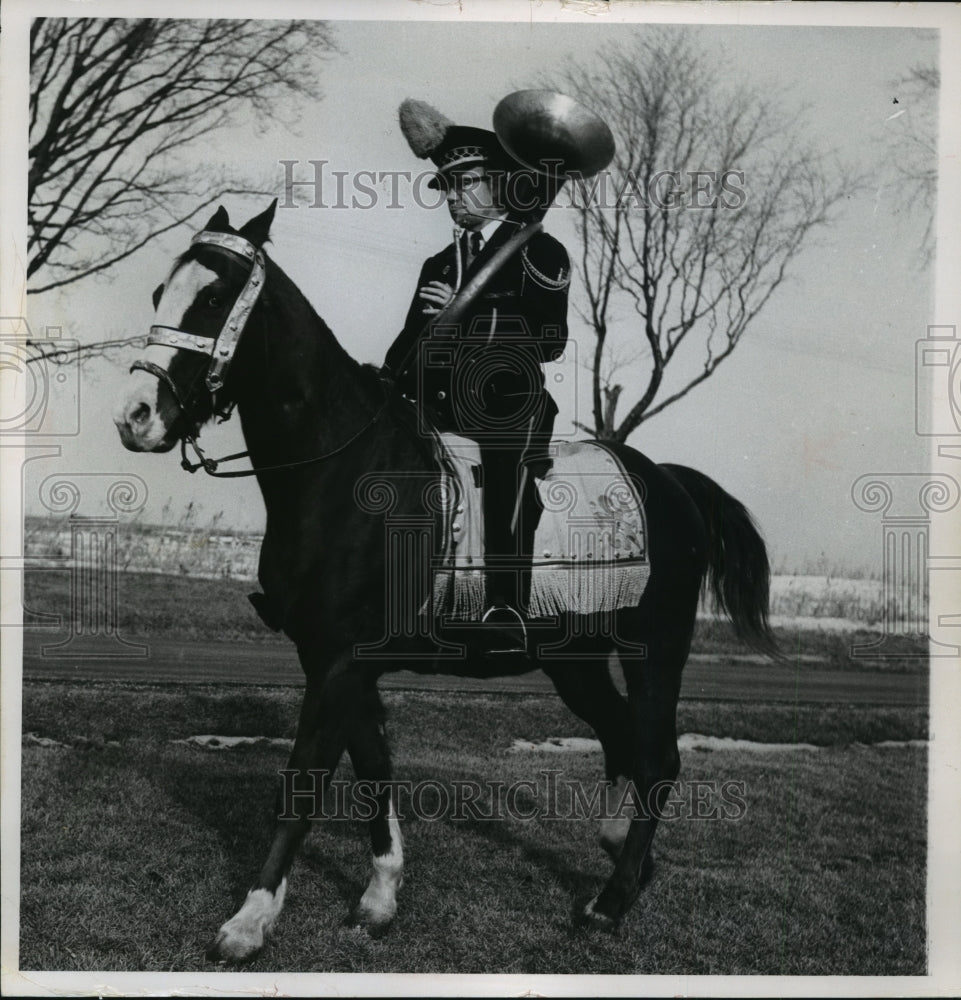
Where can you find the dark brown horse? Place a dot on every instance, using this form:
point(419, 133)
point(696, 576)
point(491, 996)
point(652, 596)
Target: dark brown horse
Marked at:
point(324, 435)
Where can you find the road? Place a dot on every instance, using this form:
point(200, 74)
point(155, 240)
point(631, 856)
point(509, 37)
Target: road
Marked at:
point(268, 663)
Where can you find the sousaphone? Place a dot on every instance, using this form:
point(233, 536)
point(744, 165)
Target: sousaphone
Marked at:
point(553, 138)
point(552, 134)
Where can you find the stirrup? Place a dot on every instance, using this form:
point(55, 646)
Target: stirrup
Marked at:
point(506, 625)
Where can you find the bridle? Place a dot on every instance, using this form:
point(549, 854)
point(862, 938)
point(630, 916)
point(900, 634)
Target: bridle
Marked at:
point(221, 350)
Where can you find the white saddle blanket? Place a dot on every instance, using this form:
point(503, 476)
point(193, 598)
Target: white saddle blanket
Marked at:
point(590, 547)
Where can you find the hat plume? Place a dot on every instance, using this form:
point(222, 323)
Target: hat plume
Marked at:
point(423, 126)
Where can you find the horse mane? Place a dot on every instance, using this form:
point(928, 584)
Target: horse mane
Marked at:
point(404, 414)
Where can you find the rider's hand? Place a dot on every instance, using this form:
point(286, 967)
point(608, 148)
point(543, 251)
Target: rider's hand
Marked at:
point(437, 294)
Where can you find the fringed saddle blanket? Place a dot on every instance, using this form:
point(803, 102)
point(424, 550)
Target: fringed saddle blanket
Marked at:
point(590, 547)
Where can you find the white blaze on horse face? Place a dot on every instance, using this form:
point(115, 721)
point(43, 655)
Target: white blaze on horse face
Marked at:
point(142, 420)
point(180, 292)
point(243, 934)
point(378, 905)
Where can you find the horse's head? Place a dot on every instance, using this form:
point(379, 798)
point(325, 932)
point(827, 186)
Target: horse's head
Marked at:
point(182, 379)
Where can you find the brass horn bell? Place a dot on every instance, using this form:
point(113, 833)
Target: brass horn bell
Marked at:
point(553, 134)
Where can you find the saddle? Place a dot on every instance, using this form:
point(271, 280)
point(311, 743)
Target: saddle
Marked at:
point(590, 547)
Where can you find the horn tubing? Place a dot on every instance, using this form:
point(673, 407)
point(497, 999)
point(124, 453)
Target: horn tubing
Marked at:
point(459, 304)
point(455, 309)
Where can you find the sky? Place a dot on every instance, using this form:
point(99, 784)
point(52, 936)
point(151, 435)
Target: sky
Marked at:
point(820, 392)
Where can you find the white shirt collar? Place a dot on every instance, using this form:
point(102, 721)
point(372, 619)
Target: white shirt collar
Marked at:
point(487, 230)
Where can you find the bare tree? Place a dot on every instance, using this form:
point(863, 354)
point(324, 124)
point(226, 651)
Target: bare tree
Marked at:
point(912, 135)
point(709, 200)
point(115, 103)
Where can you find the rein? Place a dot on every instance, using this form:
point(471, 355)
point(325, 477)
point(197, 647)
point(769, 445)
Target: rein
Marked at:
point(209, 465)
point(221, 350)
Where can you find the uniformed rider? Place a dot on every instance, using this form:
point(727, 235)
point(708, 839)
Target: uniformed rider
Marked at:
point(483, 377)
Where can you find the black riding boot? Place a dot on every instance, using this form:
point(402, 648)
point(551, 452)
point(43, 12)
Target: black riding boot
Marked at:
point(506, 598)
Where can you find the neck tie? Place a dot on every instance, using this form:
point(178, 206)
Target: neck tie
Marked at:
point(471, 244)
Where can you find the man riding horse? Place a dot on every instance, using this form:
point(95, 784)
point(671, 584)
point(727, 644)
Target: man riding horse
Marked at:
point(481, 376)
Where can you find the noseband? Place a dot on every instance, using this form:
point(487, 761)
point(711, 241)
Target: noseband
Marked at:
point(221, 350)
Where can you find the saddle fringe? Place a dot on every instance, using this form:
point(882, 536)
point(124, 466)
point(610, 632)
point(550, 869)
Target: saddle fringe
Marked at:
point(467, 601)
point(591, 542)
point(555, 590)
point(574, 589)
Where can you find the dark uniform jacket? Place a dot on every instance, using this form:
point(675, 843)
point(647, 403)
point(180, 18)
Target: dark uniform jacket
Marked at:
point(484, 377)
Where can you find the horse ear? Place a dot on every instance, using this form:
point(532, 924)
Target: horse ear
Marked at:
point(219, 221)
point(258, 229)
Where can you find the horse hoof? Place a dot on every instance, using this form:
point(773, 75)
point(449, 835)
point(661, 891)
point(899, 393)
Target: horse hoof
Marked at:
point(591, 916)
point(375, 924)
point(233, 949)
point(243, 935)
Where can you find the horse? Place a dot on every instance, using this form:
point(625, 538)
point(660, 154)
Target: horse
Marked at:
point(232, 330)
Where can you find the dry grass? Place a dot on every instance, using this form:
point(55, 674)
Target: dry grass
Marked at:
point(134, 853)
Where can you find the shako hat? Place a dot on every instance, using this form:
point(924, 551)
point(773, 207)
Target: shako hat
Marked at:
point(452, 148)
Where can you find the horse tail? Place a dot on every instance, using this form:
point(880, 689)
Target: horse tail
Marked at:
point(739, 573)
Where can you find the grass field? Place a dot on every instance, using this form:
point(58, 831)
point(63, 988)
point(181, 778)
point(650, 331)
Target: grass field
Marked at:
point(136, 848)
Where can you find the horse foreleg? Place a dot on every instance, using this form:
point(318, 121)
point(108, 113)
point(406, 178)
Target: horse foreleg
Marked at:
point(318, 747)
point(616, 816)
point(378, 905)
point(369, 755)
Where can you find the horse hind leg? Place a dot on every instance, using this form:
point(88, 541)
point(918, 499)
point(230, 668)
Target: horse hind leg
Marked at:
point(653, 688)
point(587, 690)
